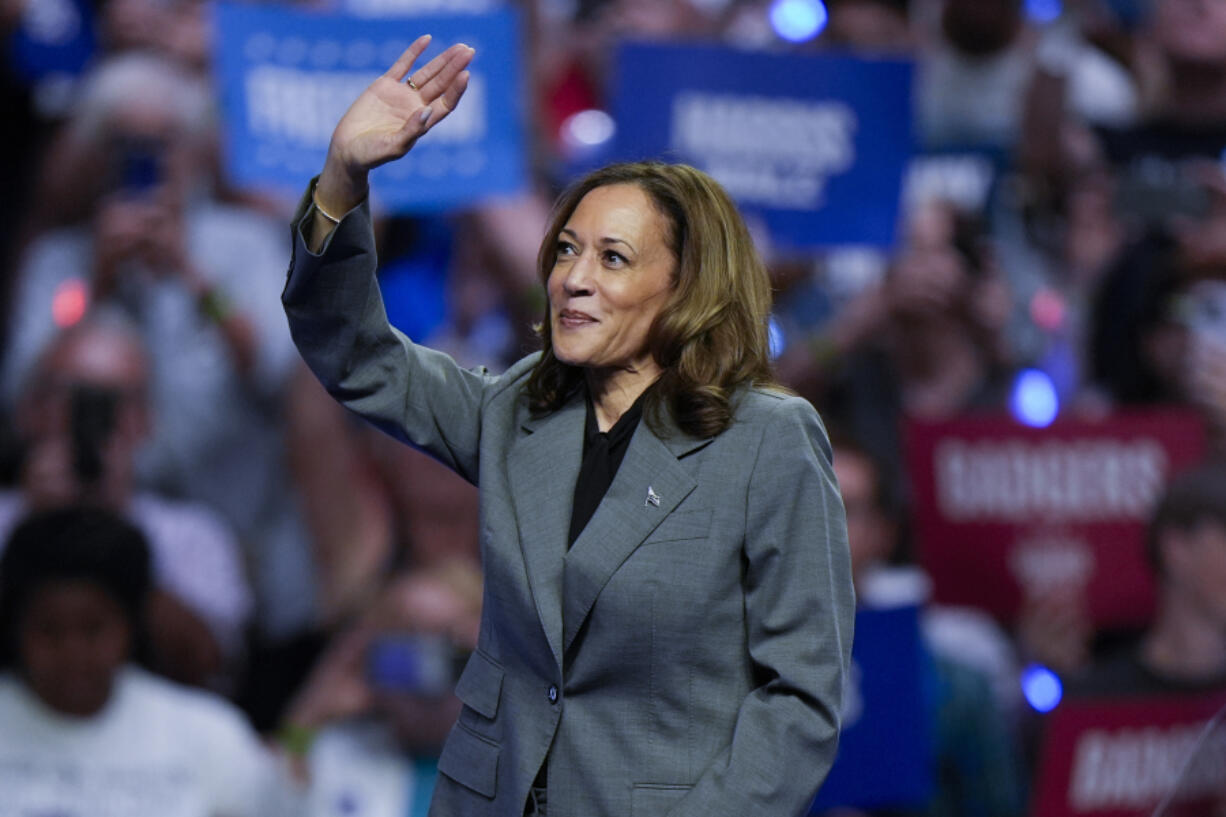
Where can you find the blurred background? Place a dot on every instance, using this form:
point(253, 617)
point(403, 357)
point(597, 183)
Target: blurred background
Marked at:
point(997, 235)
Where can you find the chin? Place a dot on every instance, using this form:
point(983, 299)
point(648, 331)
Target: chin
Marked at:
point(571, 357)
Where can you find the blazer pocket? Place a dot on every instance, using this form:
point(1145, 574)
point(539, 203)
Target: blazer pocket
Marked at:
point(682, 525)
point(470, 760)
point(480, 684)
point(655, 799)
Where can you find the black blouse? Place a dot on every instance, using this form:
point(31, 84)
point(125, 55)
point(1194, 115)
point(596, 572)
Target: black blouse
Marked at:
point(603, 453)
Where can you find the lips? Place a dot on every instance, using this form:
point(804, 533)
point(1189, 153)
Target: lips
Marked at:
point(573, 318)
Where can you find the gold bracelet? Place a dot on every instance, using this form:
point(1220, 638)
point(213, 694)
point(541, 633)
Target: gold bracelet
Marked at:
point(324, 212)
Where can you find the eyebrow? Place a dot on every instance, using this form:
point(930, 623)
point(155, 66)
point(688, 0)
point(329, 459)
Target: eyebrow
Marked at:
point(604, 241)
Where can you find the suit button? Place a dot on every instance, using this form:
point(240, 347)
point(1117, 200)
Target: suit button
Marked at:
point(552, 694)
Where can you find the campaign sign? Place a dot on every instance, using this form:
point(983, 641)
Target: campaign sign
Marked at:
point(815, 144)
point(885, 750)
point(287, 76)
point(1134, 757)
point(964, 177)
point(1004, 511)
point(397, 8)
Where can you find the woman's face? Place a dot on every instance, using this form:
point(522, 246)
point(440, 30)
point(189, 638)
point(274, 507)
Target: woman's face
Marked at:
point(612, 274)
point(73, 638)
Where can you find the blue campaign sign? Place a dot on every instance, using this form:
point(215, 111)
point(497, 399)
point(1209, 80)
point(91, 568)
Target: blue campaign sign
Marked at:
point(885, 751)
point(397, 8)
point(287, 76)
point(815, 144)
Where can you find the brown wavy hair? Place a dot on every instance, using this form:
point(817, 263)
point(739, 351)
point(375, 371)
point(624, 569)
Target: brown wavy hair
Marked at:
point(712, 334)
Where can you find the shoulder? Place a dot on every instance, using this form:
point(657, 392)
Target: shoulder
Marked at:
point(10, 691)
point(507, 389)
point(206, 714)
point(778, 413)
point(58, 252)
point(176, 518)
point(517, 374)
point(238, 246)
point(212, 219)
point(20, 715)
point(754, 402)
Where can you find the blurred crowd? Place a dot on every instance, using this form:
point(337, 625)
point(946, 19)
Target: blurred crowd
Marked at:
point(272, 557)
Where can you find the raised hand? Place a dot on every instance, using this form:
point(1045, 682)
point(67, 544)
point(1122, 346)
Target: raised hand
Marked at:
point(388, 118)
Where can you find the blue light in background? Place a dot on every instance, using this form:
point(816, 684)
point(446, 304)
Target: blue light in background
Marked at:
point(589, 128)
point(1041, 687)
point(1034, 401)
point(775, 339)
point(1044, 11)
point(798, 20)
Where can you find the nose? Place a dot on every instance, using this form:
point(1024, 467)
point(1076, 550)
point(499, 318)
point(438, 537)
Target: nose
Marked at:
point(578, 276)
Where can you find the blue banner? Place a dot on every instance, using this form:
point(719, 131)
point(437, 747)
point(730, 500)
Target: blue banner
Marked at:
point(885, 751)
point(286, 77)
point(816, 145)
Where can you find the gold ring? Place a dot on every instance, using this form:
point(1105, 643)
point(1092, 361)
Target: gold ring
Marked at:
point(413, 85)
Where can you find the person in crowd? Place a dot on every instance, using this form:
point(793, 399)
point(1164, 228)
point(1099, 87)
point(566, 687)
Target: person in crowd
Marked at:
point(982, 61)
point(924, 343)
point(372, 507)
point(1157, 331)
point(1183, 649)
point(1180, 60)
point(1095, 187)
point(702, 504)
point(199, 280)
point(83, 730)
point(870, 27)
point(83, 417)
point(372, 718)
point(970, 671)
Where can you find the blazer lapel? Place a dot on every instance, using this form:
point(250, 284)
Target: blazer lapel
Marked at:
point(543, 467)
point(649, 484)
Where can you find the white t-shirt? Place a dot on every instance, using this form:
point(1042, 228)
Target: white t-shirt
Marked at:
point(358, 770)
point(155, 750)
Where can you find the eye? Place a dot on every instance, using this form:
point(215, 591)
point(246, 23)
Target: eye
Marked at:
point(564, 248)
point(613, 259)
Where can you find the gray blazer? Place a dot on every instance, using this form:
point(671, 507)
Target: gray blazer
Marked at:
point(687, 655)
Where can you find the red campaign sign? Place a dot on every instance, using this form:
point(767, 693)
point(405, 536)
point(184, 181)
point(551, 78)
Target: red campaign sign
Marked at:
point(1003, 511)
point(1131, 757)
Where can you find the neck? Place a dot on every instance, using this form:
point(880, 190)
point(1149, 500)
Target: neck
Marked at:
point(614, 391)
point(1185, 644)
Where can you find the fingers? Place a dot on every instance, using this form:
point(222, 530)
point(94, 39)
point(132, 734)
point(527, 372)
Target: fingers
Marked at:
point(453, 92)
point(402, 65)
point(437, 111)
point(434, 78)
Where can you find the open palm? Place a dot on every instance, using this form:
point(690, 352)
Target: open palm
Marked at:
point(391, 114)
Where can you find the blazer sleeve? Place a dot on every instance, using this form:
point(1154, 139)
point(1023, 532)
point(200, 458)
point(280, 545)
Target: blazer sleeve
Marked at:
point(800, 609)
point(339, 324)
